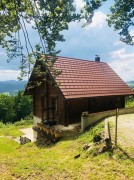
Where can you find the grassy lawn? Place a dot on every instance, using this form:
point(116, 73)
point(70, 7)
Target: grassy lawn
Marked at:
point(34, 161)
point(13, 129)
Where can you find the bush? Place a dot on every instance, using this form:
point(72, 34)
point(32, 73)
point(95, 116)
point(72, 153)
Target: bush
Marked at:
point(23, 122)
point(129, 102)
point(2, 125)
point(14, 108)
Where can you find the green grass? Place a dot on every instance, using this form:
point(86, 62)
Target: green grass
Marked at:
point(13, 129)
point(129, 103)
point(34, 161)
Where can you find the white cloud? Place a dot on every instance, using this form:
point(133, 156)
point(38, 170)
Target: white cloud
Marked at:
point(98, 20)
point(122, 55)
point(2, 52)
point(123, 64)
point(9, 75)
point(118, 43)
point(132, 32)
point(79, 4)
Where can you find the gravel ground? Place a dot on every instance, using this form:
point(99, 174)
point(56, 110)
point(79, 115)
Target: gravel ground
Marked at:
point(125, 132)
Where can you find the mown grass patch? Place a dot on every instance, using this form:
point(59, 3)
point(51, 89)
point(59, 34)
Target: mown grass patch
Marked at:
point(31, 161)
point(13, 129)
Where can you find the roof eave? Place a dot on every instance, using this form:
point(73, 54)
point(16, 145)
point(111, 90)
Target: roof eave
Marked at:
point(82, 97)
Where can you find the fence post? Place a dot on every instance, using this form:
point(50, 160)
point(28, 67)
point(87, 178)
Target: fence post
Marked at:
point(116, 126)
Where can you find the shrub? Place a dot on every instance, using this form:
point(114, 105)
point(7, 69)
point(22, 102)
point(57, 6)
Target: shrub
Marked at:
point(2, 125)
point(23, 122)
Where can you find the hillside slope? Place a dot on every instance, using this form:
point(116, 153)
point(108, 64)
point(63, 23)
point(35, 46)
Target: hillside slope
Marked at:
point(130, 84)
point(11, 86)
point(35, 161)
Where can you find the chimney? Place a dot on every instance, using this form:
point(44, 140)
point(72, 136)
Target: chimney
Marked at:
point(97, 58)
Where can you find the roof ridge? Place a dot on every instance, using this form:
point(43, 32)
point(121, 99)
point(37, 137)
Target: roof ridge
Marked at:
point(80, 59)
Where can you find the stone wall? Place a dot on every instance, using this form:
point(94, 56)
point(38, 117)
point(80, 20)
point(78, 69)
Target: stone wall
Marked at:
point(89, 119)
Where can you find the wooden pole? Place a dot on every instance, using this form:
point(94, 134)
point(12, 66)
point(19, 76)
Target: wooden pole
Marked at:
point(107, 130)
point(116, 120)
point(107, 135)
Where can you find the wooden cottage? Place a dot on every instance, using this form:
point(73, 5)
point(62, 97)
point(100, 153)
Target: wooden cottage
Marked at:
point(81, 86)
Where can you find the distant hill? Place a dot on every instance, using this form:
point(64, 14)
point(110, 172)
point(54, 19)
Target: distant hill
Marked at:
point(130, 84)
point(12, 86)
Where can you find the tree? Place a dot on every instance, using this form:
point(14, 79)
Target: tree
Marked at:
point(22, 105)
point(50, 18)
point(14, 108)
point(121, 17)
point(7, 113)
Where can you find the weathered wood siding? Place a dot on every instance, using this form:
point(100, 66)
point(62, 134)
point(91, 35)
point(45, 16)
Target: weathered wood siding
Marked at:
point(92, 105)
point(75, 106)
point(53, 91)
point(37, 94)
point(75, 109)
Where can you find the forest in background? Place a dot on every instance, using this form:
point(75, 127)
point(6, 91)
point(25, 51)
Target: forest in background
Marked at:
point(15, 107)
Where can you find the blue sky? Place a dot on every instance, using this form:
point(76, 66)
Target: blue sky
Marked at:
point(85, 43)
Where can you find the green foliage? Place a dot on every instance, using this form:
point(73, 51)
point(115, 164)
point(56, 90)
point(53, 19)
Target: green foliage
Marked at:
point(131, 84)
point(14, 108)
point(90, 133)
point(48, 18)
point(87, 12)
point(2, 125)
point(24, 122)
point(121, 17)
point(129, 102)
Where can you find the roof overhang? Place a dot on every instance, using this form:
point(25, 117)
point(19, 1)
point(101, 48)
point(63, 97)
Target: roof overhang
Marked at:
point(112, 95)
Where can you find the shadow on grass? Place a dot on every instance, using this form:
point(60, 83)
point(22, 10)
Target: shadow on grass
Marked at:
point(47, 141)
point(126, 154)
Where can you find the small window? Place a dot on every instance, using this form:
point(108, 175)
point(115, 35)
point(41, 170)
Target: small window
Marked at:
point(54, 103)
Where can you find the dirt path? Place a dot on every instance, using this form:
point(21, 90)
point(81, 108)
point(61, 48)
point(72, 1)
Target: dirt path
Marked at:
point(125, 131)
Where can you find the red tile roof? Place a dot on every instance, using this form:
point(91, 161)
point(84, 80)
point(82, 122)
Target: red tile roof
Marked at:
point(83, 78)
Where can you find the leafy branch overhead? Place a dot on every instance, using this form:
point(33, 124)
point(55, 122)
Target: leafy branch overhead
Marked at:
point(49, 19)
point(121, 17)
